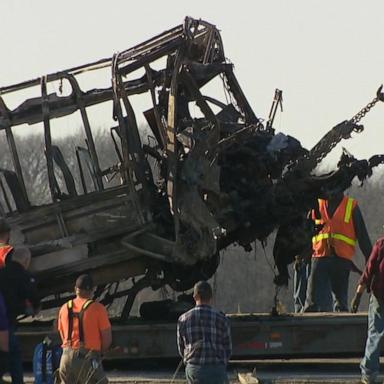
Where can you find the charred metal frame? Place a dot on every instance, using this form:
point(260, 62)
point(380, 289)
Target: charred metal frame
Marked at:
point(202, 204)
point(194, 41)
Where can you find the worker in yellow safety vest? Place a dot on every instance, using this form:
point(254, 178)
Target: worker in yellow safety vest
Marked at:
point(333, 247)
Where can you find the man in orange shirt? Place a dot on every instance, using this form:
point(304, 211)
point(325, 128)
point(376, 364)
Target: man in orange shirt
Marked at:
point(86, 332)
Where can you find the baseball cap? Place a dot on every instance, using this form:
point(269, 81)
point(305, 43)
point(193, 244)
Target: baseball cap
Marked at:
point(84, 282)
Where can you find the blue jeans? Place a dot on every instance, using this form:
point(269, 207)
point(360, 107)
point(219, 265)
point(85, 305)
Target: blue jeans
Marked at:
point(328, 282)
point(15, 362)
point(206, 374)
point(301, 274)
point(370, 364)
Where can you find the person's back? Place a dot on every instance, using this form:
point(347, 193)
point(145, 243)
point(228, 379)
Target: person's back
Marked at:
point(19, 290)
point(205, 336)
point(21, 297)
point(85, 332)
point(204, 340)
point(95, 320)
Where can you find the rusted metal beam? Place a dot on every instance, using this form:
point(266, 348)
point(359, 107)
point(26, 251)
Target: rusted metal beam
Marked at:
point(12, 146)
point(163, 38)
point(88, 132)
point(30, 111)
point(171, 147)
point(152, 56)
point(134, 141)
point(117, 263)
point(160, 126)
point(173, 33)
point(47, 138)
point(7, 203)
point(241, 100)
point(193, 88)
point(128, 165)
point(131, 294)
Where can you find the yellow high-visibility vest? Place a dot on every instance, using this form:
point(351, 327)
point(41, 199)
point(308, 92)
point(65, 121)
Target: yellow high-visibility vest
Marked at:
point(338, 233)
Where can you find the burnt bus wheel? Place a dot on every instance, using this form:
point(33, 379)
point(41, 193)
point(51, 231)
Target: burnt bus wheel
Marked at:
point(181, 278)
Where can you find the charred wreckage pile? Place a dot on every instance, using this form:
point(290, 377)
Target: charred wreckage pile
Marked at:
point(206, 181)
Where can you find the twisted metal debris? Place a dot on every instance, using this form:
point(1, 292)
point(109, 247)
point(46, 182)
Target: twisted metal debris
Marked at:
point(203, 182)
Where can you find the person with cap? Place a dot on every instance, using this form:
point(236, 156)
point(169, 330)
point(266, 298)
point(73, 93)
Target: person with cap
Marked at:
point(204, 339)
point(86, 333)
point(18, 288)
point(5, 248)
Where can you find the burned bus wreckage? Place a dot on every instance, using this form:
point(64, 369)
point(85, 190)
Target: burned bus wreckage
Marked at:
point(204, 180)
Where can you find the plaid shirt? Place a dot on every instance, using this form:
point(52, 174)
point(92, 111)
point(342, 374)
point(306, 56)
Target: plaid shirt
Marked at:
point(204, 336)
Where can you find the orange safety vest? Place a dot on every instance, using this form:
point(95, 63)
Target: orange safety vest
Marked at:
point(338, 233)
point(4, 250)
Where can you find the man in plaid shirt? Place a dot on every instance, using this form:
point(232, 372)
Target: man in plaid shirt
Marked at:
point(204, 339)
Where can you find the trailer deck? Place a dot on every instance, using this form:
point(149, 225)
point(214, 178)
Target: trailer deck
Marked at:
point(254, 336)
point(271, 371)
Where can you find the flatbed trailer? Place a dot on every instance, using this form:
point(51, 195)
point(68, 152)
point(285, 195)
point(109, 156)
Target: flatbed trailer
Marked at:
point(254, 336)
point(301, 371)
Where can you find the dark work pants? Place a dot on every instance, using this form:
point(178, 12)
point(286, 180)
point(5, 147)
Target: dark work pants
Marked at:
point(328, 280)
point(4, 358)
point(15, 362)
point(206, 374)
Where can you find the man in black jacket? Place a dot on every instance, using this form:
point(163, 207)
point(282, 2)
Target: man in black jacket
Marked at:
point(19, 290)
